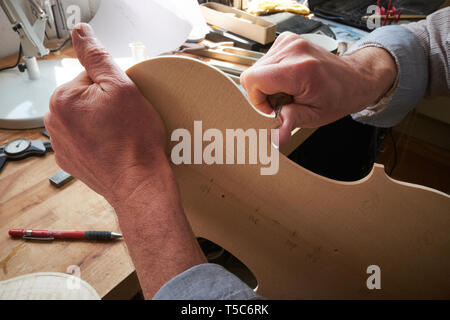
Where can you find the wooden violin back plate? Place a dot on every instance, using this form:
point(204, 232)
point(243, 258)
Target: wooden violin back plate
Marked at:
point(302, 235)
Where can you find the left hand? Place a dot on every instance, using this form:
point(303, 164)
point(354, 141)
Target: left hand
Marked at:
point(104, 132)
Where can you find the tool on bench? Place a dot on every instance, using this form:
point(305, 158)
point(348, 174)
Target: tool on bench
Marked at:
point(44, 132)
point(22, 148)
point(229, 70)
point(226, 52)
point(60, 179)
point(52, 235)
point(222, 51)
point(217, 34)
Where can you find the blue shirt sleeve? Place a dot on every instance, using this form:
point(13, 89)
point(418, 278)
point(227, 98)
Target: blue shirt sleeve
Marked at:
point(206, 282)
point(412, 78)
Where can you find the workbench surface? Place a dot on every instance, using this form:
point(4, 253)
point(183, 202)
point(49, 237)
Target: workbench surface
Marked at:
point(28, 200)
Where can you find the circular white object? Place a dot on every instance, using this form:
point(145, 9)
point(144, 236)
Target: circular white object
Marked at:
point(24, 102)
point(47, 286)
point(321, 40)
point(17, 146)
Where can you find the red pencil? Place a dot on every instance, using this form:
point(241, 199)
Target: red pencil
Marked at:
point(58, 234)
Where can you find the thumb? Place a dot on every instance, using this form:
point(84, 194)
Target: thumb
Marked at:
point(283, 134)
point(294, 116)
point(99, 64)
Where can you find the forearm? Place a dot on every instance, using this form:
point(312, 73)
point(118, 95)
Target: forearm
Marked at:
point(120, 155)
point(412, 75)
point(159, 238)
point(375, 74)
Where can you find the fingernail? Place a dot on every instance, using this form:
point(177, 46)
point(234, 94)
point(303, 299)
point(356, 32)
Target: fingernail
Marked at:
point(84, 30)
point(275, 137)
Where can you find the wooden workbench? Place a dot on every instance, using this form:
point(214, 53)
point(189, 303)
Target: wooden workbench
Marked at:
point(28, 200)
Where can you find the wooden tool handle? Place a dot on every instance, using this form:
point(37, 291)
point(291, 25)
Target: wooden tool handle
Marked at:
point(278, 100)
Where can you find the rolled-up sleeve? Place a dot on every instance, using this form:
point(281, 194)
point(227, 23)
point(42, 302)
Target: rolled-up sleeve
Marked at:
point(412, 77)
point(206, 282)
point(421, 51)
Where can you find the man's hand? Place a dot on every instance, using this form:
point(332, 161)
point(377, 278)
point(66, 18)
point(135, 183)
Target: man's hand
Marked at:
point(325, 87)
point(105, 133)
point(102, 128)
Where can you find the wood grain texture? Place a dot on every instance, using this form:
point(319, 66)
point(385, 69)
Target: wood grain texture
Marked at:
point(302, 235)
point(27, 200)
point(67, 52)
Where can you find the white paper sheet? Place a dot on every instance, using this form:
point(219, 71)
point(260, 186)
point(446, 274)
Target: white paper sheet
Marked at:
point(188, 10)
point(121, 22)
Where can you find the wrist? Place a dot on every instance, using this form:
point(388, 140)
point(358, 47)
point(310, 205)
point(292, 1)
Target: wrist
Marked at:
point(375, 73)
point(159, 239)
point(141, 182)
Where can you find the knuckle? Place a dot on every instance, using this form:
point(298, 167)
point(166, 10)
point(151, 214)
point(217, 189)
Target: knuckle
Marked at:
point(59, 98)
point(247, 77)
point(310, 66)
point(244, 78)
point(301, 44)
point(287, 35)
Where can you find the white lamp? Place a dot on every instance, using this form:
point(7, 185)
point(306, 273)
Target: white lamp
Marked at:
point(159, 25)
point(24, 101)
point(25, 95)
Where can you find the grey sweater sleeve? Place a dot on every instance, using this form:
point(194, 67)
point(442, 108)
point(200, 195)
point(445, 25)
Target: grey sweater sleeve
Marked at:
point(434, 36)
point(206, 281)
point(421, 53)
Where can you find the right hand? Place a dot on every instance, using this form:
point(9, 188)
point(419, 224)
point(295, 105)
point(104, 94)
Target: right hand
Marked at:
point(325, 87)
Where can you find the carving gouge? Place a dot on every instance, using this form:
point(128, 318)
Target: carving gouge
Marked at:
point(278, 100)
